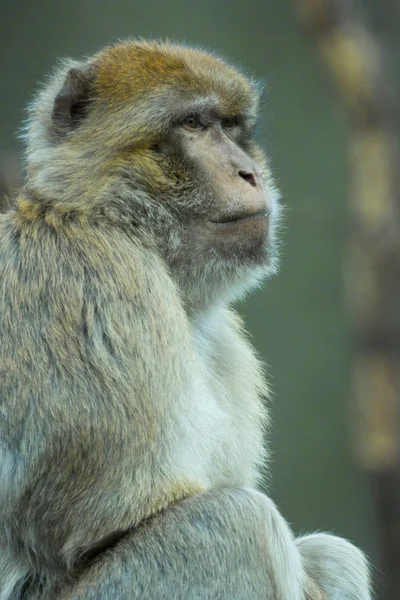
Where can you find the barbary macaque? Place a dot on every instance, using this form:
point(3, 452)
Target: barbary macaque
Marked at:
point(131, 403)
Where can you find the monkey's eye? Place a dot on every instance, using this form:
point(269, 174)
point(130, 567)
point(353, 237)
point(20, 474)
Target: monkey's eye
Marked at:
point(230, 122)
point(192, 122)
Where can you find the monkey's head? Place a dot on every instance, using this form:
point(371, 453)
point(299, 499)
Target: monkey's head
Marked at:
point(158, 139)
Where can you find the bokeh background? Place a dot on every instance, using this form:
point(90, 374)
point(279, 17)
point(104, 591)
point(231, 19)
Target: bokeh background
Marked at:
point(298, 322)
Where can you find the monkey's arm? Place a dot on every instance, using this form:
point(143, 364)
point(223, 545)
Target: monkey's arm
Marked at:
point(227, 544)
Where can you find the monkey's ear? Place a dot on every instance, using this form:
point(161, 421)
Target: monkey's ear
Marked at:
point(73, 100)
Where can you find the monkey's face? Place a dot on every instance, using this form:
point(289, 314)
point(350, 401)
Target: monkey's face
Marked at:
point(221, 198)
point(225, 207)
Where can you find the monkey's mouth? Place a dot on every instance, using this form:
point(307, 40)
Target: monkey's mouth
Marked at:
point(240, 217)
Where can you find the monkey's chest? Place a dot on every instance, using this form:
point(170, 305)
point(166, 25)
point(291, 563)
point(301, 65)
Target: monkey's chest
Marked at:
point(229, 390)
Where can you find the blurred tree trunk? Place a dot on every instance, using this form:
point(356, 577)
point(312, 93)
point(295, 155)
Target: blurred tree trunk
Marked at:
point(360, 72)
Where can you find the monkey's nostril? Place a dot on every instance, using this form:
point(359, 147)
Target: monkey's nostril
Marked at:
point(249, 177)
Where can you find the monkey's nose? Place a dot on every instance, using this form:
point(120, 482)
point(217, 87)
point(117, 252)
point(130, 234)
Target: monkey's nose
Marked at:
point(249, 177)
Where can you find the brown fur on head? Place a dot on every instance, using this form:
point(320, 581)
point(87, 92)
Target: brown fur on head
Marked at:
point(93, 148)
point(126, 96)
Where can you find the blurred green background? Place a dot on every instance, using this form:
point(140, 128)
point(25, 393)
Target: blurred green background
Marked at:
point(298, 321)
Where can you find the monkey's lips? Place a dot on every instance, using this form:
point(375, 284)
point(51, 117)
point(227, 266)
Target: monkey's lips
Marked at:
point(232, 219)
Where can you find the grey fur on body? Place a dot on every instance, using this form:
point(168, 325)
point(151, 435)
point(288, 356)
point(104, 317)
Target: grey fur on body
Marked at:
point(131, 415)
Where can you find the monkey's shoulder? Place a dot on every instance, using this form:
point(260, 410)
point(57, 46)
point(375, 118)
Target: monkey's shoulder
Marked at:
point(73, 294)
point(50, 249)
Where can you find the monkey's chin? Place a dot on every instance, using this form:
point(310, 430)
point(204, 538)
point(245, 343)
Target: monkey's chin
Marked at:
point(243, 240)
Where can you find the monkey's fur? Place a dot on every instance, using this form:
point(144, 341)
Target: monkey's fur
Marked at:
point(131, 416)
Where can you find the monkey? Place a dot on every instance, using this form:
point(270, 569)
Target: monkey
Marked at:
point(132, 404)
